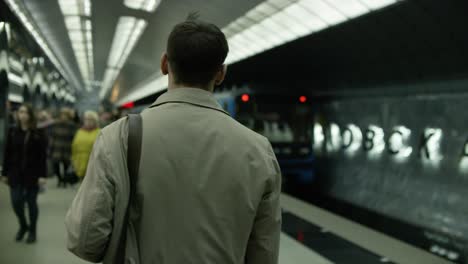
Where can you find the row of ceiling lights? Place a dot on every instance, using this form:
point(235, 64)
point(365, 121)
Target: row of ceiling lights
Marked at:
point(273, 23)
point(270, 24)
point(276, 22)
point(146, 5)
point(127, 34)
point(19, 65)
point(77, 15)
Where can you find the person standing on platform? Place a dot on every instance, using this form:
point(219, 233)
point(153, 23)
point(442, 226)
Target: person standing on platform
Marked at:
point(62, 136)
point(12, 118)
point(208, 188)
point(45, 122)
point(25, 169)
point(83, 143)
point(106, 118)
point(75, 117)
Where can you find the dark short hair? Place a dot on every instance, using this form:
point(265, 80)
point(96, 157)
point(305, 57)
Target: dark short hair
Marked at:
point(196, 50)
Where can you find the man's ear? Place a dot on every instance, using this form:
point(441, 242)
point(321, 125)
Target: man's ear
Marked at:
point(220, 75)
point(164, 64)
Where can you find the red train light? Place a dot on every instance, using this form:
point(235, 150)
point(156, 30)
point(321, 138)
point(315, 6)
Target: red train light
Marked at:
point(245, 98)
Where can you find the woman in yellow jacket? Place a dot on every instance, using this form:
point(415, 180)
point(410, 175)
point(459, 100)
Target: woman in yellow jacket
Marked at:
point(83, 143)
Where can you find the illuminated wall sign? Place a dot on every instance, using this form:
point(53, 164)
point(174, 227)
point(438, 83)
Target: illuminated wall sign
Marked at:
point(352, 138)
point(333, 142)
point(430, 145)
point(404, 156)
point(398, 142)
point(374, 142)
point(319, 137)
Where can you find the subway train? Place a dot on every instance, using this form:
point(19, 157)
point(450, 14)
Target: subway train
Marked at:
point(282, 118)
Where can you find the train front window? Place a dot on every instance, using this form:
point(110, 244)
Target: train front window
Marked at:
point(280, 122)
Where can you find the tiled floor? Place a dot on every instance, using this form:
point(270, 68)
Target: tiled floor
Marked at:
point(51, 248)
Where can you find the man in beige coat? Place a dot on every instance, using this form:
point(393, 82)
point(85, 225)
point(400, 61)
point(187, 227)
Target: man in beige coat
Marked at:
point(208, 188)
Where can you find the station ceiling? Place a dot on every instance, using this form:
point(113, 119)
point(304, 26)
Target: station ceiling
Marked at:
point(144, 59)
point(419, 42)
point(390, 43)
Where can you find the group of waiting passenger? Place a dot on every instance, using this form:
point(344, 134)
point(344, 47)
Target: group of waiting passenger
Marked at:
point(36, 142)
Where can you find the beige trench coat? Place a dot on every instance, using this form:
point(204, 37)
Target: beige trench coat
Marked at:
point(208, 189)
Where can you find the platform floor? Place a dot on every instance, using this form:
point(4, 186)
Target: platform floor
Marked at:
point(51, 248)
point(325, 238)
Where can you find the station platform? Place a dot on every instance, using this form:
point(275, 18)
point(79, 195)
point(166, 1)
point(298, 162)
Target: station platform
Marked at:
point(51, 248)
point(310, 235)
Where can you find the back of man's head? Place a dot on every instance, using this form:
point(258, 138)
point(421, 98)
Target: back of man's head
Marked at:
point(196, 51)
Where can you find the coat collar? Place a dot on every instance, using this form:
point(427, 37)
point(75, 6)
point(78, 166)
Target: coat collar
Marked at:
point(193, 96)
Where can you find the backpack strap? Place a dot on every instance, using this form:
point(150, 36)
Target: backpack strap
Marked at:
point(133, 164)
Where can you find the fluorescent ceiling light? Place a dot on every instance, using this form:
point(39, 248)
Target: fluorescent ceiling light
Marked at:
point(76, 36)
point(311, 24)
point(324, 10)
point(73, 22)
point(157, 84)
point(279, 4)
point(87, 7)
point(15, 98)
point(89, 35)
point(350, 8)
point(127, 34)
point(273, 23)
point(76, 15)
point(75, 8)
point(88, 26)
point(69, 8)
point(146, 5)
point(18, 66)
point(15, 79)
point(289, 20)
point(261, 12)
point(78, 47)
point(376, 4)
point(109, 78)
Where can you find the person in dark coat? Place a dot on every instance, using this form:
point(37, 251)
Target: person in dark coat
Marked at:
point(11, 116)
point(61, 139)
point(25, 169)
